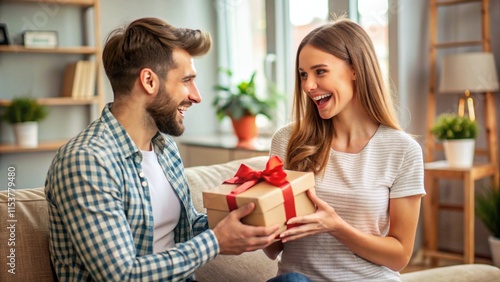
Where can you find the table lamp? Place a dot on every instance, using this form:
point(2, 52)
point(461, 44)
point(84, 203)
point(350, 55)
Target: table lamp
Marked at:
point(466, 73)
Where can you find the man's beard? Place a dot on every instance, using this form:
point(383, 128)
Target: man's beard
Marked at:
point(163, 111)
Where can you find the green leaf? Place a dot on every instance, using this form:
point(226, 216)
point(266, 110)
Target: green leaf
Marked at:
point(237, 100)
point(487, 209)
point(451, 126)
point(24, 110)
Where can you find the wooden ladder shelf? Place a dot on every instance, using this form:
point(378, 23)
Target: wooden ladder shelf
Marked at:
point(435, 170)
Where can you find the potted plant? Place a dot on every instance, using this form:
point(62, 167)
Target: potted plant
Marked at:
point(24, 115)
point(488, 211)
point(240, 103)
point(458, 134)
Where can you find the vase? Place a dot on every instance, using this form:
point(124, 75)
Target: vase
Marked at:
point(26, 134)
point(459, 152)
point(495, 250)
point(245, 128)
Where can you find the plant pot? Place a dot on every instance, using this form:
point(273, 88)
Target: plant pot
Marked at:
point(495, 250)
point(460, 152)
point(26, 134)
point(245, 128)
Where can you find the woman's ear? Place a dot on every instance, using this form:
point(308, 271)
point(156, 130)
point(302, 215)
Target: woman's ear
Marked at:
point(353, 75)
point(149, 81)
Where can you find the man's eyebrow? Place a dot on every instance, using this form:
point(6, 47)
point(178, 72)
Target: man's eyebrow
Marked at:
point(189, 76)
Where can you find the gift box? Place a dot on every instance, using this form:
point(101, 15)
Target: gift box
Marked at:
point(278, 195)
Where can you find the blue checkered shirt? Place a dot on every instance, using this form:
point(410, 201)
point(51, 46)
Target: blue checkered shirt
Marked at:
point(101, 219)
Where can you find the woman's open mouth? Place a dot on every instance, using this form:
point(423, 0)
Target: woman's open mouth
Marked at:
point(322, 99)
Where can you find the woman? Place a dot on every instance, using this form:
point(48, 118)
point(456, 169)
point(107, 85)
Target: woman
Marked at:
point(369, 172)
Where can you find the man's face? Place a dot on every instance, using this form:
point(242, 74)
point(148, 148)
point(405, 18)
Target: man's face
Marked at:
point(175, 95)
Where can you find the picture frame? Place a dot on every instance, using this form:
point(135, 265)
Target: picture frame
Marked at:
point(4, 35)
point(40, 39)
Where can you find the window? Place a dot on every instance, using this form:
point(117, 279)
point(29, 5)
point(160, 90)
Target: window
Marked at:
point(242, 33)
point(372, 16)
point(263, 36)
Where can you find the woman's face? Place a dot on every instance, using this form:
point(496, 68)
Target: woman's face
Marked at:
point(327, 80)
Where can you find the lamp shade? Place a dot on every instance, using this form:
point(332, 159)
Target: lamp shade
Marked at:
point(474, 71)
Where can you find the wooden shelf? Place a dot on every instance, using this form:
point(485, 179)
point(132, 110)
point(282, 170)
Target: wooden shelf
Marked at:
point(458, 44)
point(59, 101)
point(453, 256)
point(478, 170)
point(83, 3)
point(456, 2)
point(42, 147)
point(78, 50)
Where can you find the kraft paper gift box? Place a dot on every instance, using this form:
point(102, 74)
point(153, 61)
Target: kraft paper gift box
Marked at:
point(270, 205)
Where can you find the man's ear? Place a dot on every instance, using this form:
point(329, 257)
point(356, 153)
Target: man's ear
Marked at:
point(149, 81)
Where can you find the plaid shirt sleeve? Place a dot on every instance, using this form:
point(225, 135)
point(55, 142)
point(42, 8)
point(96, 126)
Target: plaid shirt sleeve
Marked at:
point(101, 226)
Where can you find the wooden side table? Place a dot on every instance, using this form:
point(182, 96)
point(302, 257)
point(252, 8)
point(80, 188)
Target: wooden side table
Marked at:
point(433, 171)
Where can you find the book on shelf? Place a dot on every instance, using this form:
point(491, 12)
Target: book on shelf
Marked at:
point(91, 79)
point(79, 79)
point(71, 79)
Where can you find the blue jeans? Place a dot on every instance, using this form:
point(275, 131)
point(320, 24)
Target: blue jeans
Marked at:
point(290, 277)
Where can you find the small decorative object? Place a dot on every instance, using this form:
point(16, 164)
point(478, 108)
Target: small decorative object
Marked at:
point(488, 211)
point(4, 36)
point(241, 104)
point(40, 39)
point(458, 134)
point(24, 114)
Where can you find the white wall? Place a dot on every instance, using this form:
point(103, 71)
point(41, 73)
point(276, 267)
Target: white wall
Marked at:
point(408, 71)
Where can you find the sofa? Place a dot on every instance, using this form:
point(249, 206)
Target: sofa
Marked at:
point(29, 257)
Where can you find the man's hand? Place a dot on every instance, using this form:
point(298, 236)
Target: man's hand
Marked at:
point(235, 237)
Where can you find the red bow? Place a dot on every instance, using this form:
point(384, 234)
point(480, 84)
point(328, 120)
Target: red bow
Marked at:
point(273, 174)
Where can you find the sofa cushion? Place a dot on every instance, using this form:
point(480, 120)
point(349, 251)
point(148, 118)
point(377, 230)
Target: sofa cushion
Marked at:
point(29, 233)
point(455, 273)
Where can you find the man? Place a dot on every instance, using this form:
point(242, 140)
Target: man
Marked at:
point(119, 202)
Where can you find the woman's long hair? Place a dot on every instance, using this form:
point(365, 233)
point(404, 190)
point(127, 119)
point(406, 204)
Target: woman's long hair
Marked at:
point(310, 143)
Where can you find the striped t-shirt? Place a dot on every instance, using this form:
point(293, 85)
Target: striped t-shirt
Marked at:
point(358, 186)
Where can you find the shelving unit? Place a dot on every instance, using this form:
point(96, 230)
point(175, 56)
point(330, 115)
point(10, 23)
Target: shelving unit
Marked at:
point(83, 3)
point(60, 101)
point(436, 170)
point(83, 50)
point(42, 147)
point(90, 33)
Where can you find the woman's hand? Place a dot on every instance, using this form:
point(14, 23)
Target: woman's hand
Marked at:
point(325, 219)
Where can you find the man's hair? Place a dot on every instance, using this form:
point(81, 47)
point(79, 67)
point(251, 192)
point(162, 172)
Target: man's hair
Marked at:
point(147, 43)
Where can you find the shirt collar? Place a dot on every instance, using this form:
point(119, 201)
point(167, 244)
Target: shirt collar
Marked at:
point(123, 138)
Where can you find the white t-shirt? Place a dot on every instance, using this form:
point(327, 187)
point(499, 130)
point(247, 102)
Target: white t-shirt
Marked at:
point(359, 187)
point(166, 205)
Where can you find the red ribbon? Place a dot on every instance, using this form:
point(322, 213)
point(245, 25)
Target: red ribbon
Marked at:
point(273, 174)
